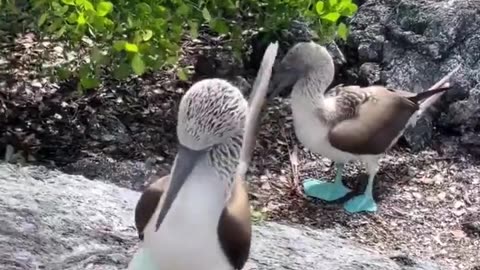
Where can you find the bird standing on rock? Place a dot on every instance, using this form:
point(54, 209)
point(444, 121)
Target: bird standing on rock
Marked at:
point(198, 216)
point(350, 123)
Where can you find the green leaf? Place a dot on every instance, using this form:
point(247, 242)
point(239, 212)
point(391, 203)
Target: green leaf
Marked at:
point(63, 73)
point(96, 55)
point(72, 18)
point(60, 10)
point(206, 14)
point(119, 45)
point(87, 5)
point(84, 70)
point(319, 7)
point(103, 8)
point(144, 8)
point(332, 16)
point(147, 35)
point(171, 60)
point(130, 47)
point(42, 19)
point(183, 10)
point(60, 32)
point(138, 65)
point(193, 29)
point(81, 19)
point(182, 74)
point(342, 31)
point(89, 82)
point(353, 9)
point(69, 2)
point(219, 26)
point(122, 71)
point(332, 3)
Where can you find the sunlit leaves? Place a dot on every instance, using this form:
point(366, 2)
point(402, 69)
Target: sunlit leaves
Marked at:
point(69, 2)
point(147, 35)
point(103, 8)
point(342, 31)
point(332, 16)
point(85, 4)
point(130, 47)
point(131, 37)
point(319, 7)
point(81, 19)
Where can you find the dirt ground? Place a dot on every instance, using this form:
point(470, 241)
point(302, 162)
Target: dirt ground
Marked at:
point(429, 202)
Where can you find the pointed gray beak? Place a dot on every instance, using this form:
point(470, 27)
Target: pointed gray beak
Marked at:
point(183, 166)
point(280, 81)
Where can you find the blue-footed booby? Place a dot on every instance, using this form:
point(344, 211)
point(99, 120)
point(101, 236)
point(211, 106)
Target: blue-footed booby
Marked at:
point(347, 123)
point(198, 216)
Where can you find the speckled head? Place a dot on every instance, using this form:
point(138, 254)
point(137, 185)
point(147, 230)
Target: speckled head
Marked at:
point(303, 59)
point(211, 111)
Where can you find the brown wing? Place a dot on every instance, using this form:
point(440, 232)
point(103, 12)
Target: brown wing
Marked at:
point(377, 122)
point(339, 88)
point(347, 101)
point(234, 227)
point(148, 202)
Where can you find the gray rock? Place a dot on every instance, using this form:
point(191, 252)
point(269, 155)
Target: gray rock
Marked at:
point(464, 115)
point(50, 220)
point(370, 72)
point(416, 43)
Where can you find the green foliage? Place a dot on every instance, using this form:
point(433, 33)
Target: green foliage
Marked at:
point(133, 37)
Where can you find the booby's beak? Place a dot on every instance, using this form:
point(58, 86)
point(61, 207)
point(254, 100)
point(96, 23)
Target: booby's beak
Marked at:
point(183, 166)
point(281, 80)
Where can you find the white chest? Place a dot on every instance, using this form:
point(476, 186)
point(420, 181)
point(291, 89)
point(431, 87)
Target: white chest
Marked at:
point(311, 132)
point(188, 237)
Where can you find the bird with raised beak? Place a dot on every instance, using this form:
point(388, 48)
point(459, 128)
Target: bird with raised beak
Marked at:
point(198, 216)
point(348, 122)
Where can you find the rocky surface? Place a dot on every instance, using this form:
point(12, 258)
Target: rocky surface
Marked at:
point(410, 44)
point(50, 220)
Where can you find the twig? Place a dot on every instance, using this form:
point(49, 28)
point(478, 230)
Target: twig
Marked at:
point(294, 166)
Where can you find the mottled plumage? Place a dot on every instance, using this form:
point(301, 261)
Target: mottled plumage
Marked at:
point(348, 122)
point(198, 216)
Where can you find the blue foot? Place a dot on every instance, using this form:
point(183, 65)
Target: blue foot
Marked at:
point(142, 260)
point(361, 203)
point(327, 191)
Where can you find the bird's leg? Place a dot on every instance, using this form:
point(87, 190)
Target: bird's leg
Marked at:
point(324, 190)
point(364, 202)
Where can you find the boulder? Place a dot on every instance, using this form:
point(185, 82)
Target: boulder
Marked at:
point(412, 44)
point(55, 221)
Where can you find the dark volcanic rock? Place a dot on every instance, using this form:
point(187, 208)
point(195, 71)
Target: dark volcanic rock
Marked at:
point(416, 43)
point(54, 221)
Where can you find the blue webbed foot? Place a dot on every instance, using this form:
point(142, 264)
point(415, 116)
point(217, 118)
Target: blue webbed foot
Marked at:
point(328, 191)
point(361, 203)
